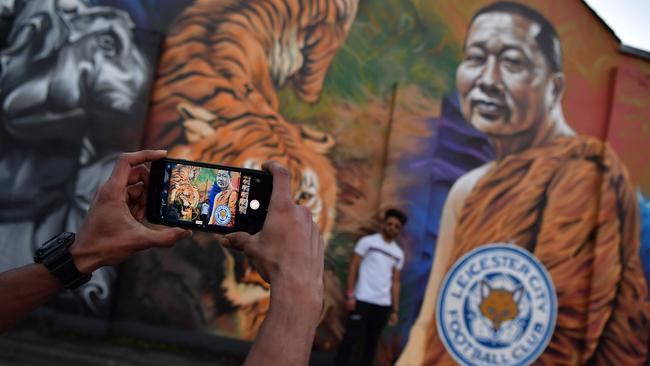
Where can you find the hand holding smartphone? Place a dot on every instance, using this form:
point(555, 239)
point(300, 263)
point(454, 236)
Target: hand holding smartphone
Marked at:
point(208, 197)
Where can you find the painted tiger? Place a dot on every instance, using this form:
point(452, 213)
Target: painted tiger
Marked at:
point(228, 58)
point(182, 193)
point(248, 142)
point(215, 100)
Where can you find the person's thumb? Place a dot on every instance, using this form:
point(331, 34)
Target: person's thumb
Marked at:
point(238, 240)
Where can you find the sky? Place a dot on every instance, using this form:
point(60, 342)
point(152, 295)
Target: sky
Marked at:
point(629, 19)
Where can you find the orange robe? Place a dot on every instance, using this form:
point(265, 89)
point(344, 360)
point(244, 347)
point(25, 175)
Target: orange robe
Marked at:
point(229, 198)
point(573, 206)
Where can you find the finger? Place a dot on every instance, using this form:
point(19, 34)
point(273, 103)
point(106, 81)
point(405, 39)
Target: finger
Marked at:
point(305, 213)
point(135, 192)
point(145, 178)
point(281, 194)
point(320, 253)
point(128, 160)
point(140, 213)
point(314, 239)
point(133, 196)
point(238, 240)
point(223, 241)
point(260, 269)
point(140, 207)
point(139, 173)
point(163, 238)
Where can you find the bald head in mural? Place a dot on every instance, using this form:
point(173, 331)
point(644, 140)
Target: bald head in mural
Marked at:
point(510, 80)
point(567, 199)
point(71, 78)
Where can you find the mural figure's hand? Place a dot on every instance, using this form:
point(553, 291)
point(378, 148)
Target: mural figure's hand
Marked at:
point(113, 229)
point(288, 253)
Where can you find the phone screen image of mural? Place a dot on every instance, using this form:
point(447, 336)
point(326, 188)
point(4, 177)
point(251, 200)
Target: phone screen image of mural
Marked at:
point(203, 196)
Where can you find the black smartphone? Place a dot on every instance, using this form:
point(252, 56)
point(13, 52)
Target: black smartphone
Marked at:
point(208, 197)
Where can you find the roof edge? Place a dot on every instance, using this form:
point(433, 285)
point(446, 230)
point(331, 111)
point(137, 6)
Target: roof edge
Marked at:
point(602, 21)
point(634, 51)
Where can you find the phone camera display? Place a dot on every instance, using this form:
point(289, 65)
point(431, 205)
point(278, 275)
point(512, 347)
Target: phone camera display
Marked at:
point(202, 196)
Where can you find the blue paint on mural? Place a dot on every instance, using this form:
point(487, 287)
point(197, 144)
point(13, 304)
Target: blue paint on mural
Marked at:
point(149, 14)
point(453, 149)
point(644, 208)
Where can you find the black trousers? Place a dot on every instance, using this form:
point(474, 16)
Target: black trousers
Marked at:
point(364, 325)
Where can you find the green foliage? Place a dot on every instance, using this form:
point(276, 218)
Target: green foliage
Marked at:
point(389, 42)
point(339, 254)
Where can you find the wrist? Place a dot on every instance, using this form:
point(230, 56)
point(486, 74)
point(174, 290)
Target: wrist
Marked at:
point(55, 255)
point(285, 287)
point(305, 309)
point(349, 294)
point(83, 260)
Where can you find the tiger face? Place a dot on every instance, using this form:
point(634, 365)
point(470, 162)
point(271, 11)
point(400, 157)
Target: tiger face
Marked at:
point(248, 143)
point(186, 197)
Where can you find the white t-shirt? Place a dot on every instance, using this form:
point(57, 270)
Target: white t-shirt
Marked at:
point(379, 258)
point(205, 209)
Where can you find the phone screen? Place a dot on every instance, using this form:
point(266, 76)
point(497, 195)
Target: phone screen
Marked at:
point(211, 198)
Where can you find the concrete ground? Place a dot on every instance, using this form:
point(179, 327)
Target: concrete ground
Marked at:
point(45, 341)
point(29, 346)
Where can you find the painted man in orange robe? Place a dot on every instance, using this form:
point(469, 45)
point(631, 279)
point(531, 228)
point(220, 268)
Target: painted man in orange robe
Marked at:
point(565, 198)
point(227, 196)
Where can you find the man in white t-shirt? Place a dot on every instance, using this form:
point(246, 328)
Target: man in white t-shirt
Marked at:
point(373, 296)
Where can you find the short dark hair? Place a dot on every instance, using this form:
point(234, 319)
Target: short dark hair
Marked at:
point(547, 39)
point(398, 214)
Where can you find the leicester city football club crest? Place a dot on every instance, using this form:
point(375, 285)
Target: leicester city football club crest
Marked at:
point(497, 306)
point(223, 214)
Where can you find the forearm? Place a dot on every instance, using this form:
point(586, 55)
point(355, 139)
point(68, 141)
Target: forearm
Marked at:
point(352, 279)
point(287, 334)
point(394, 290)
point(23, 290)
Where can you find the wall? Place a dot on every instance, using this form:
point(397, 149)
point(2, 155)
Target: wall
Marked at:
point(365, 95)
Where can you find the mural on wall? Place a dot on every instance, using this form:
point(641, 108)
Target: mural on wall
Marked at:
point(644, 206)
point(371, 104)
point(215, 100)
point(628, 133)
point(240, 103)
point(565, 198)
point(72, 87)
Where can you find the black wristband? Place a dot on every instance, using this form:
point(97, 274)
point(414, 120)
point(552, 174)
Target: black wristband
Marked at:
point(55, 256)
